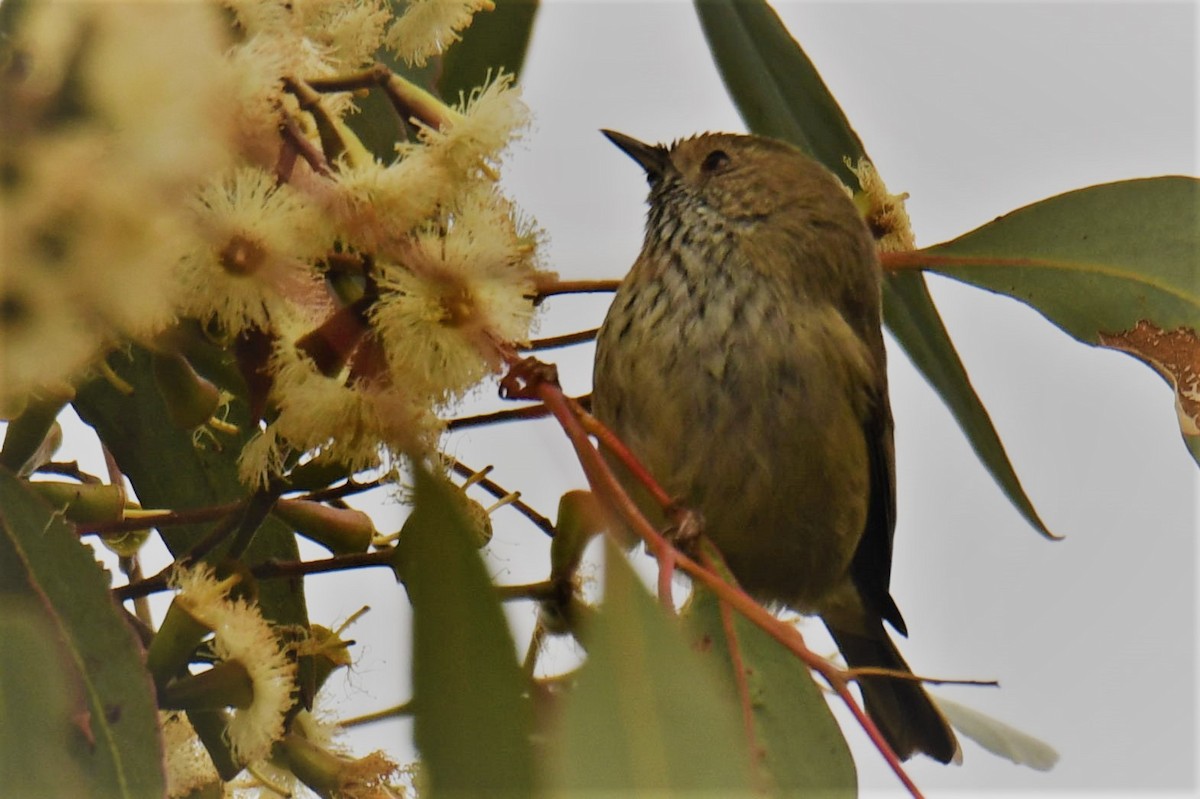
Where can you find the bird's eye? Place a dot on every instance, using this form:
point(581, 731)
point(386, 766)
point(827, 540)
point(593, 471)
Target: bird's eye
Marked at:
point(715, 160)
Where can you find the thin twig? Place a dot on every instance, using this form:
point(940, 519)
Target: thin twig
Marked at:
point(274, 569)
point(536, 642)
point(219, 532)
point(536, 591)
point(565, 340)
point(499, 492)
point(293, 137)
point(551, 288)
point(146, 587)
point(366, 79)
point(172, 518)
point(873, 671)
point(403, 709)
point(346, 489)
point(132, 570)
point(242, 521)
point(176, 518)
point(285, 163)
point(267, 570)
point(158, 582)
point(498, 417)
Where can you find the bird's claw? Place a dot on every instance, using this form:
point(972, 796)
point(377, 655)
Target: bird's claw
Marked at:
point(685, 529)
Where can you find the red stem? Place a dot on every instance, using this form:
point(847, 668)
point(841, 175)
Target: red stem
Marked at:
point(920, 259)
point(617, 447)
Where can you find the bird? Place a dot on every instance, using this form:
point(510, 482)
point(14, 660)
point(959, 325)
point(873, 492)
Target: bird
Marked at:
point(742, 361)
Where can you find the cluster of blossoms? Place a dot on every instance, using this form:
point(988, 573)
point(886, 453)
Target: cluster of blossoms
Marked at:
point(242, 636)
point(171, 161)
point(167, 168)
point(885, 212)
point(97, 164)
point(246, 649)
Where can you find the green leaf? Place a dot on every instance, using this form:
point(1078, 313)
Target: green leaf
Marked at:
point(779, 93)
point(473, 722)
point(169, 470)
point(104, 727)
point(999, 738)
point(1094, 261)
point(800, 744)
point(914, 321)
point(496, 39)
point(647, 712)
point(35, 713)
point(1116, 265)
point(776, 88)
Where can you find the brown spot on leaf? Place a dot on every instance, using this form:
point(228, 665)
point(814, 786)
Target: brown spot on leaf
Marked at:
point(1175, 354)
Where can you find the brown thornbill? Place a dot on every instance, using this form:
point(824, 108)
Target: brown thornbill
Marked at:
point(742, 361)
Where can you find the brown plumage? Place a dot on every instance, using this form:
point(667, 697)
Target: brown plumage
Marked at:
point(742, 361)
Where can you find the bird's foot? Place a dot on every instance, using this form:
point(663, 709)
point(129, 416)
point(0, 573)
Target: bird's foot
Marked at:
point(685, 528)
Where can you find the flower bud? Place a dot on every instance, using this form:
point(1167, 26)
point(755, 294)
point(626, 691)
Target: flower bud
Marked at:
point(329, 652)
point(340, 530)
point(191, 399)
point(580, 518)
point(227, 684)
point(413, 102)
point(332, 775)
point(83, 503)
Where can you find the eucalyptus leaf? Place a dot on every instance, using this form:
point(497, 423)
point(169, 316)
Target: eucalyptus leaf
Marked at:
point(776, 88)
point(1115, 265)
point(35, 710)
point(779, 93)
point(647, 713)
point(1095, 261)
point(473, 722)
point(911, 317)
point(800, 745)
point(1002, 740)
point(497, 39)
point(169, 468)
point(105, 728)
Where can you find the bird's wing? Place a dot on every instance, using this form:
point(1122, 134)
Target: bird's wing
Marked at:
point(871, 568)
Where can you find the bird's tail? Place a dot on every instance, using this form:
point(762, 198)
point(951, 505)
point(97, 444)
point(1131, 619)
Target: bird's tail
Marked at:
point(904, 713)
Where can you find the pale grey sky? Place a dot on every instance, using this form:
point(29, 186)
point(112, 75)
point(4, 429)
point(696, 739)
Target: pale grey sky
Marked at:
point(975, 109)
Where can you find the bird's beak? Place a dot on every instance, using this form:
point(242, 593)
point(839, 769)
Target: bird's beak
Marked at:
point(653, 158)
